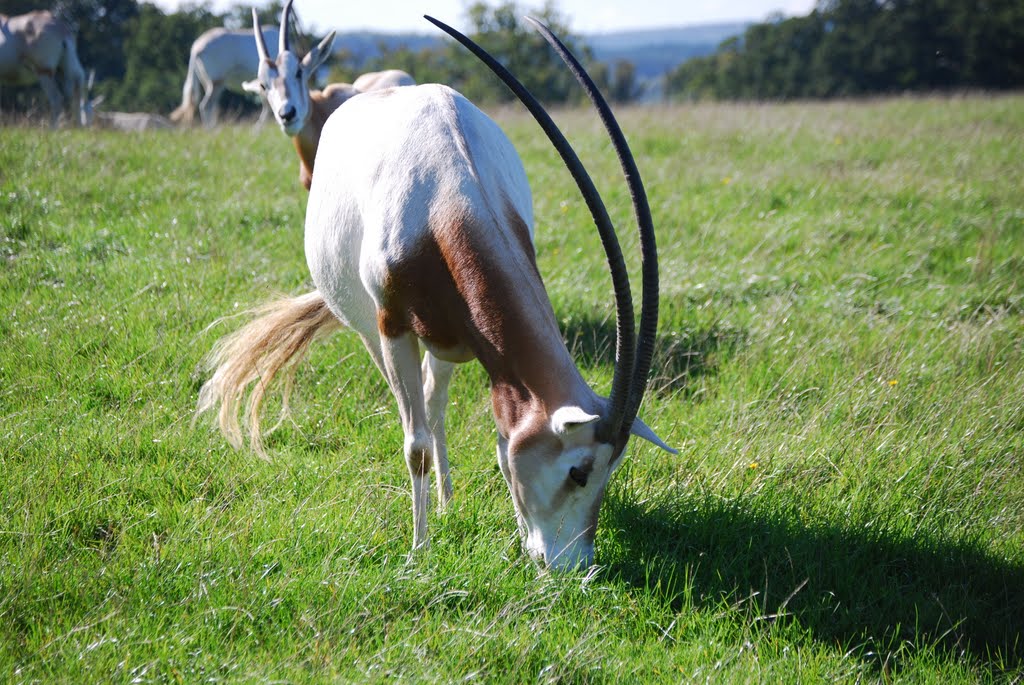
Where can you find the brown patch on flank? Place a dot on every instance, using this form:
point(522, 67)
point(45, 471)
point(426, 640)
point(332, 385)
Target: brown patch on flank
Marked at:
point(452, 290)
point(476, 286)
point(420, 296)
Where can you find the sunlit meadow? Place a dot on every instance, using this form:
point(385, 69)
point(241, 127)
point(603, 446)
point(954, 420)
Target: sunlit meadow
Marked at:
point(841, 365)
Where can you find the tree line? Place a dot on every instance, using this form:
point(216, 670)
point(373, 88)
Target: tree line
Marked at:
point(842, 48)
point(139, 54)
point(865, 47)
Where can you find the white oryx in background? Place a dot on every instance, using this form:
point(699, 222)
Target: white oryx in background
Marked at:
point(419, 230)
point(283, 84)
point(220, 58)
point(40, 47)
point(130, 122)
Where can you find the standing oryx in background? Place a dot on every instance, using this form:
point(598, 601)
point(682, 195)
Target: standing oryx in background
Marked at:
point(219, 59)
point(418, 235)
point(283, 85)
point(40, 47)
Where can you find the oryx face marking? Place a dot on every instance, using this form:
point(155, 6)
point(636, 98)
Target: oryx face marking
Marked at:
point(285, 85)
point(284, 81)
point(557, 474)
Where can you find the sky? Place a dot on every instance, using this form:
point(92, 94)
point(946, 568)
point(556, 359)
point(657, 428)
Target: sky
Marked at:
point(584, 16)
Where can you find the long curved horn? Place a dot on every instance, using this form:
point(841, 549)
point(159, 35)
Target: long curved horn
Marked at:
point(257, 32)
point(611, 427)
point(645, 226)
point(285, 16)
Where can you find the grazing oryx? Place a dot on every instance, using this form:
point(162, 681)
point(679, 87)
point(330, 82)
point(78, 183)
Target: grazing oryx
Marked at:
point(40, 47)
point(219, 59)
point(128, 122)
point(419, 231)
point(283, 83)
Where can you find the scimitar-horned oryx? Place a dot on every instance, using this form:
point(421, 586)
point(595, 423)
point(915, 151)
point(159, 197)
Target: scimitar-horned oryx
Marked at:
point(129, 122)
point(220, 58)
point(419, 232)
point(40, 47)
point(283, 84)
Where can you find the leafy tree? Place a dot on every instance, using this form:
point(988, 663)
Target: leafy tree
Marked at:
point(101, 30)
point(514, 43)
point(623, 86)
point(858, 47)
point(13, 7)
point(521, 49)
point(426, 65)
point(140, 54)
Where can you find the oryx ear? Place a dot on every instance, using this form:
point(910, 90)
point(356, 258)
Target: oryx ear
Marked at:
point(252, 87)
point(318, 55)
point(642, 430)
point(566, 421)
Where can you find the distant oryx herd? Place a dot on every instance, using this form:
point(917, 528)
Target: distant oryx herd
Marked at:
point(40, 48)
point(419, 238)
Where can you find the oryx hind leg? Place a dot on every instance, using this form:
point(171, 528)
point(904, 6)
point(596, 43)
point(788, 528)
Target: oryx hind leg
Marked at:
point(400, 362)
point(437, 374)
point(53, 94)
point(208, 105)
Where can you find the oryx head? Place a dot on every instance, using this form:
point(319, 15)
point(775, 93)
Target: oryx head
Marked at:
point(557, 461)
point(557, 471)
point(284, 81)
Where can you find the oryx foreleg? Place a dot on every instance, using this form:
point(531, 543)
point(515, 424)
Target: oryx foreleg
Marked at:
point(436, 376)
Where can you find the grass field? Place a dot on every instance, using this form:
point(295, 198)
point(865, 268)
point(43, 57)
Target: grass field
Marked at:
point(841, 366)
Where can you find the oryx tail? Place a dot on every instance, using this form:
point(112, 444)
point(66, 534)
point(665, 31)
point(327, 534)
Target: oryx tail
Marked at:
point(272, 343)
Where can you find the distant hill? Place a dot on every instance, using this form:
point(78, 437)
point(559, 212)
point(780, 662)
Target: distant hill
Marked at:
point(652, 51)
point(655, 51)
point(364, 45)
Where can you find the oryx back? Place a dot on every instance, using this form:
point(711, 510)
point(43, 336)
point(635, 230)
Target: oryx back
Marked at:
point(376, 233)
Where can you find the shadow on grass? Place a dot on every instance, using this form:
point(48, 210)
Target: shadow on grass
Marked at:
point(864, 590)
point(680, 357)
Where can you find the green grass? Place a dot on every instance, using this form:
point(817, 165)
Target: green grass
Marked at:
point(841, 366)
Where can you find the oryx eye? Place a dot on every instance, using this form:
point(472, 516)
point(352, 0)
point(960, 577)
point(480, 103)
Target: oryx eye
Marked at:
point(578, 476)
